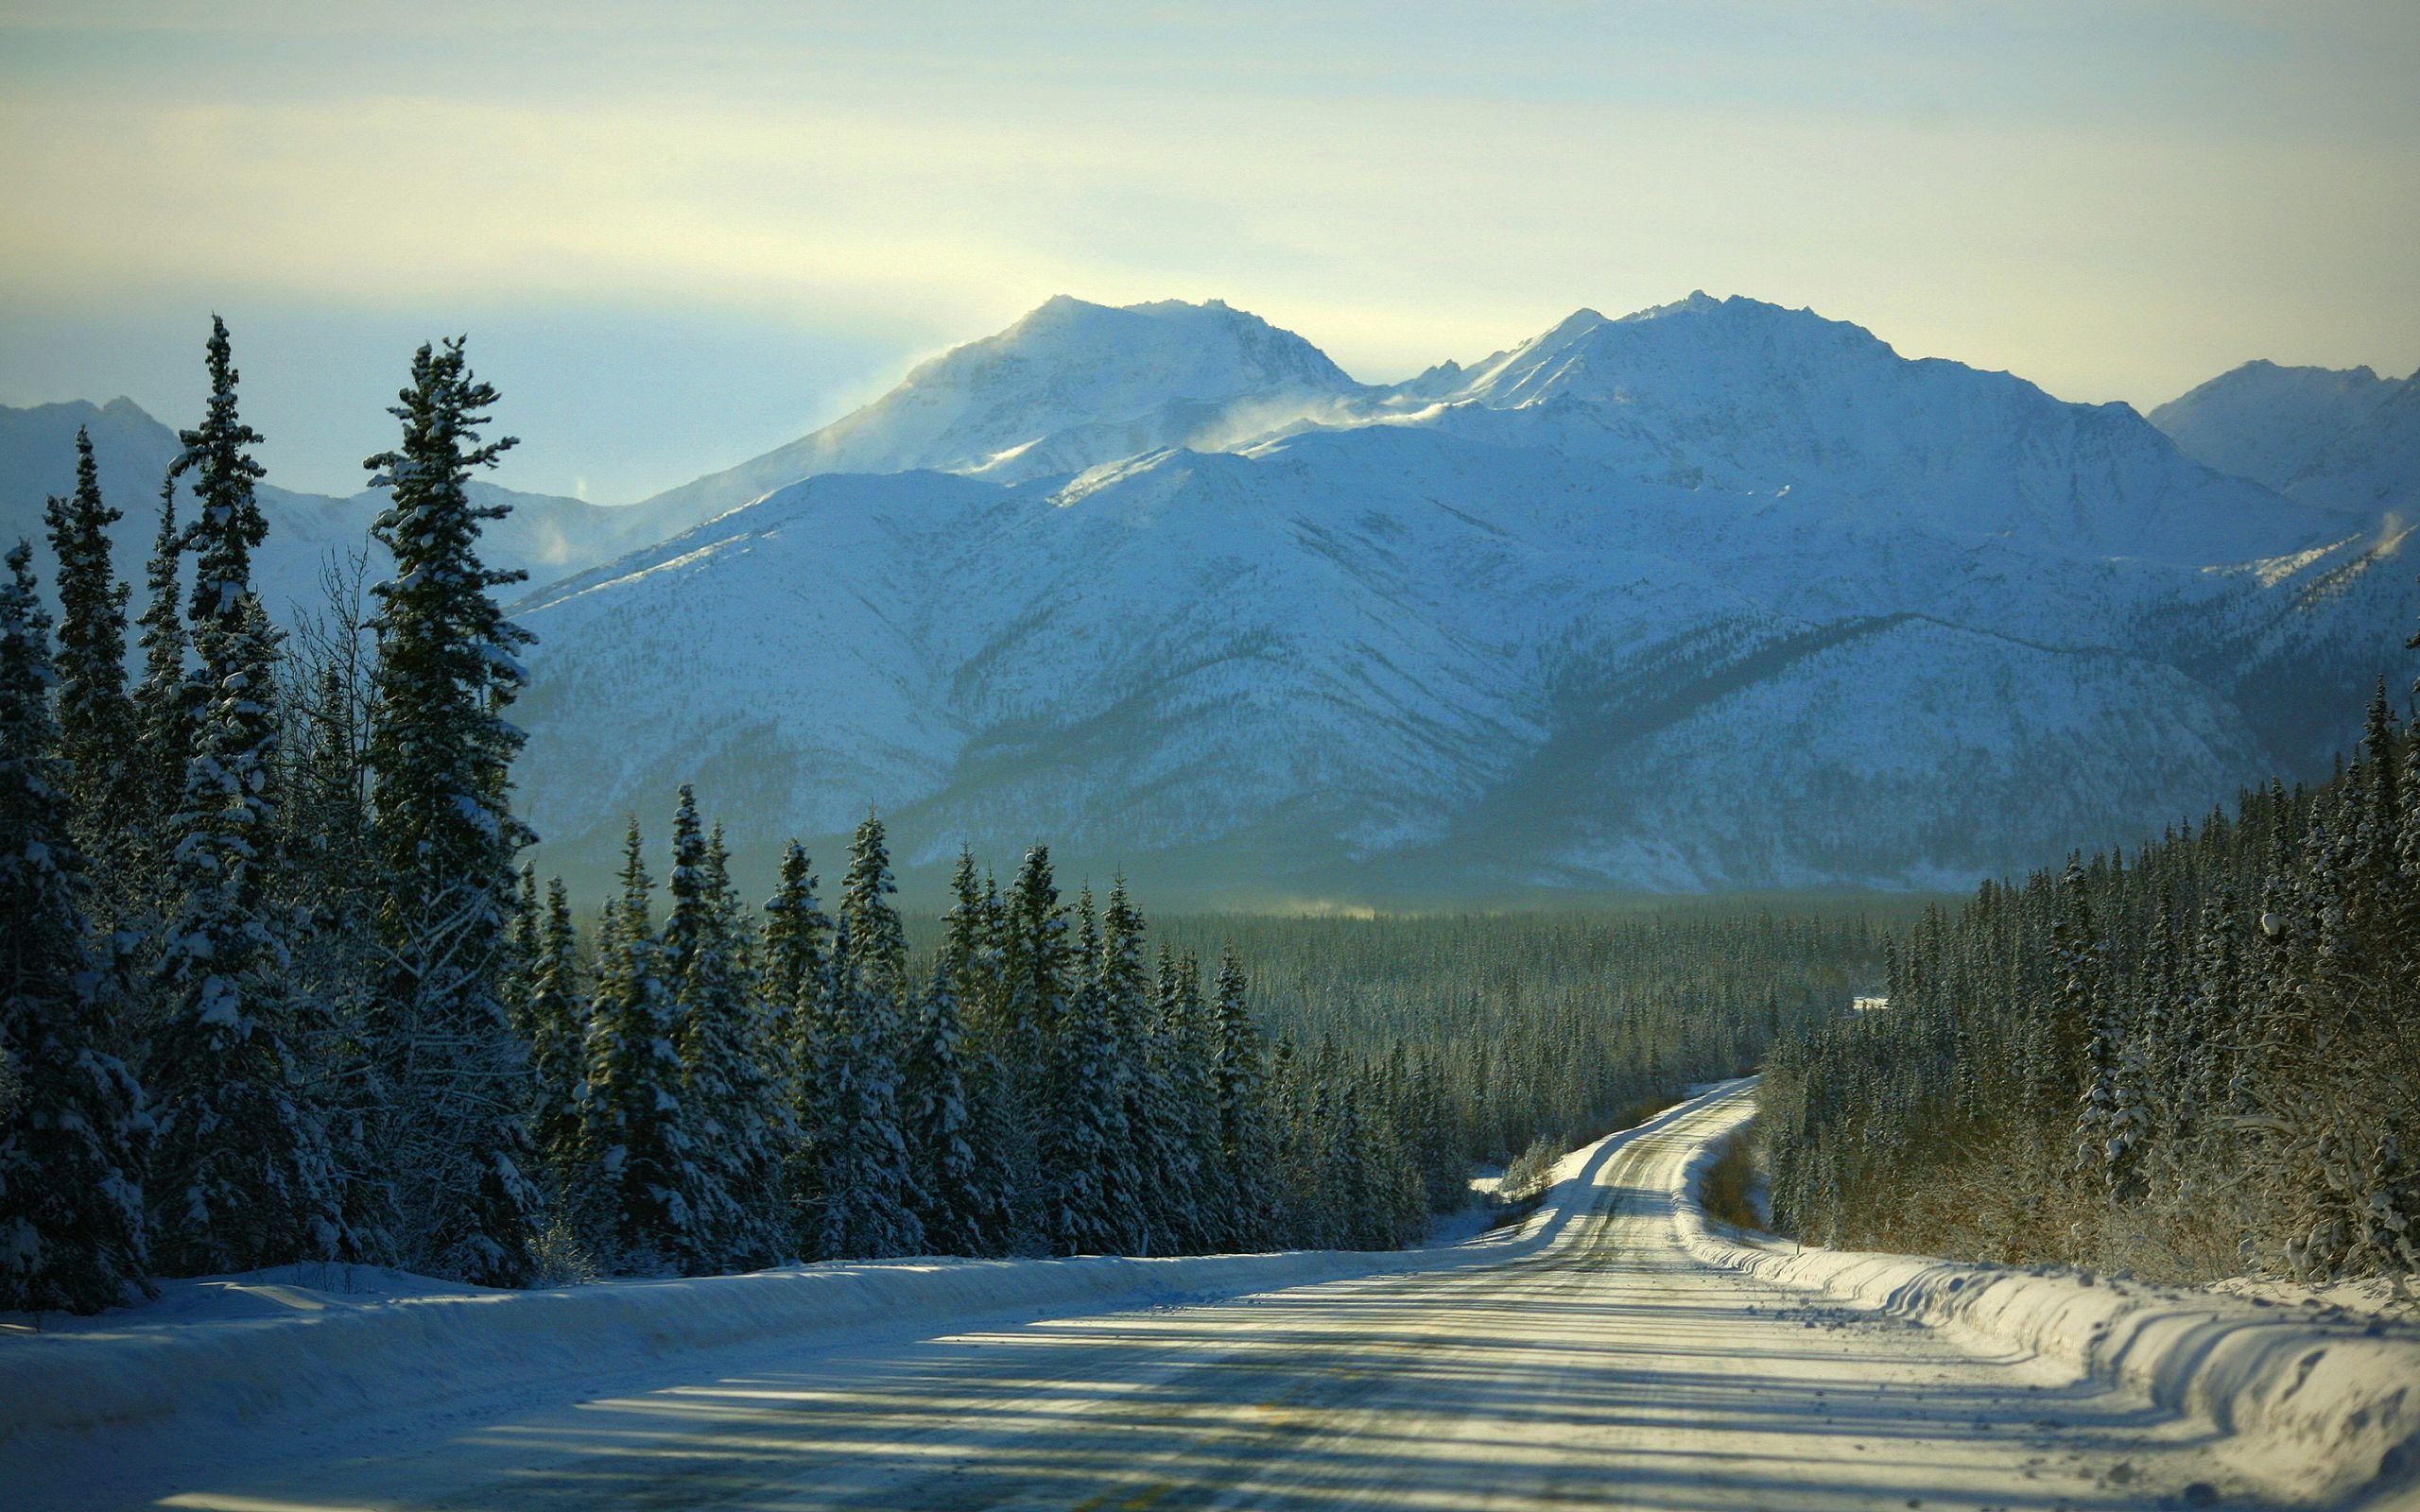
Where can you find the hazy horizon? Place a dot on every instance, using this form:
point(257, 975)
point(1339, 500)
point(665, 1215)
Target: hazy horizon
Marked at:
point(677, 242)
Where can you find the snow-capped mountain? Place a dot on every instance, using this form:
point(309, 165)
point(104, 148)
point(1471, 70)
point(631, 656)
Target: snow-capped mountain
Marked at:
point(1071, 385)
point(1719, 595)
point(1742, 395)
point(2345, 439)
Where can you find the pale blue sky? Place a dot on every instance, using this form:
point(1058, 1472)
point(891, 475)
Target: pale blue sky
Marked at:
point(681, 235)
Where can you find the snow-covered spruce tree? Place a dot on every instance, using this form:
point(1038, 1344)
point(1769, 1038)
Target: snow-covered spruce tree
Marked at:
point(690, 919)
point(166, 697)
point(1295, 1217)
point(1185, 1038)
point(1139, 1176)
point(1084, 1124)
point(2084, 998)
point(872, 974)
point(72, 1228)
point(688, 929)
point(738, 1115)
point(239, 1176)
point(877, 939)
point(971, 956)
point(951, 1201)
point(2147, 1059)
point(97, 729)
point(556, 1022)
point(792, 967)
point(1244, 1139)
point(869, 1201)
point(2201, 1129)
point(440, 756)
point(1021, 1029)
point(633, 1129)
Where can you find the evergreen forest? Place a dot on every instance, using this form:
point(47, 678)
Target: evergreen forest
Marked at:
point(278, 983)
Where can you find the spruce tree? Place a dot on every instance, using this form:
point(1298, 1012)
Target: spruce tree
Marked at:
point(791, 956)
point(1021, 1030)
point(2085, 1009)
point(872, 1206)
point(634, 1134)
point(440, 756)
point(557, 1028)
point(690, 919)
point(95, 718)
point(953, 1205)
point(1243, 1134)
point(228, 521)
point(1083, 1127)
point(877, 940)
point(72, 1125)
point(869, 1199)
point(970, 962)
point(735, 1107)
point(1143, 1178)
point(166, 698)
point(792, 968)
point(240, 1177)
point(1180, 1056)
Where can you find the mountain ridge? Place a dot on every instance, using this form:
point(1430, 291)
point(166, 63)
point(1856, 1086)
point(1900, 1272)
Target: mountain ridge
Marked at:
point(1344, 656)
point(1716, 596)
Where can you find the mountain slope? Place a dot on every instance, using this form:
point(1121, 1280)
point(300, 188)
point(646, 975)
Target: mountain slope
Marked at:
point(1386, 659)
point(2269, 423)
point(2372, 469)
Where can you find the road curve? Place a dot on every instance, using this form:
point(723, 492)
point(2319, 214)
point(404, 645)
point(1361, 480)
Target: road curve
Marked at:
point(1611, 1371)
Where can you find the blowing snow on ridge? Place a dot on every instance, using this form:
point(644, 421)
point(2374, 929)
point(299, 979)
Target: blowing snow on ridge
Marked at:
point(1603, 611)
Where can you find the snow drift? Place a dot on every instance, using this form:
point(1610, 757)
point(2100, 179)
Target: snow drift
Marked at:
point(2318, 1406)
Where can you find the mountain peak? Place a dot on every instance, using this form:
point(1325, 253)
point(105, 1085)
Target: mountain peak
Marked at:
point(1689, 343)
point(1069, 385)
point(2271, 422)
point(1697, 303)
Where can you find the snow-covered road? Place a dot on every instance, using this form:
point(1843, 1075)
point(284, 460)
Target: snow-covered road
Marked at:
point(1611, 1370)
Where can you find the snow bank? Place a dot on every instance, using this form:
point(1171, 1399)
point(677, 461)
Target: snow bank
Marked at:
point(2319, 1409)
point(239, 1352)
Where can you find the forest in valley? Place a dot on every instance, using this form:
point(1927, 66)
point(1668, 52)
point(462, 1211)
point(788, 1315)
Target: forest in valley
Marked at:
point(279, 984)
point(1552, 1027)
point(2198, 1061)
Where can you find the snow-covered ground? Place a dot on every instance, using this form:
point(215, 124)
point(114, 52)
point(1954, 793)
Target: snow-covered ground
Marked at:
point(1609, 1351)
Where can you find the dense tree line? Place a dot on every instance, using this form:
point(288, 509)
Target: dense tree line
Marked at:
point(2197, 1061)
point(1484, 1035)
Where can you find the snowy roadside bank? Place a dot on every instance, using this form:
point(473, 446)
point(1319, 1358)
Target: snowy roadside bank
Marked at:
point(2321, 1409)
point(123, 1381)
